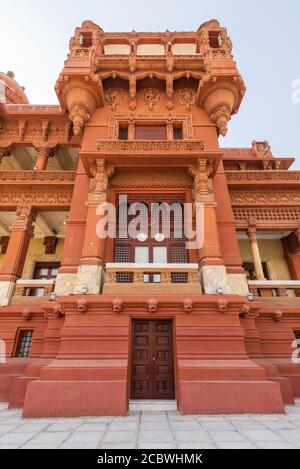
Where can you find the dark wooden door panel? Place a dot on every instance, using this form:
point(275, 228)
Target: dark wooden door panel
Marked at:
point(152, 360)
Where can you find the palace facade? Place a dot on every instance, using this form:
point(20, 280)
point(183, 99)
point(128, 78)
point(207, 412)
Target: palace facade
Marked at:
point(93, 325)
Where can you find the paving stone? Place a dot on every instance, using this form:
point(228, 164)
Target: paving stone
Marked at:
point(49, 438)
point(275, 445)
point(158, 445)
point(34, 446)
point(218, 426)
point(126, 426)
point(192, 436)
point(78, 446)
point(93, 438)
point(145, 425)
point(92, 427)
point(16, 438)
point(118, 446)
point(7, 428)
point(241, 425)
point(155, 435)
point(122, 437)
point(225, 436)
point(290, 435)
point(63, 427)
point(236, 445)
point(31, 427)
point(185, 425)
point(262, 435)
point(195, 445)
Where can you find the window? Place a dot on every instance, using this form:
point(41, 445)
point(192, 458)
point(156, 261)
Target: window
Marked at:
point(178, 134)
point(24, 344)
point(123, 133)
point(215, 39)
point(86, 39)
point(44, 271)
point(297, 335)
point(151, 132)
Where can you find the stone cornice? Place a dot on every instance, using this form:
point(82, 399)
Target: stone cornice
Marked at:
point(265, 177)
point(284, 198)
point(54, 197)
point(37, 177)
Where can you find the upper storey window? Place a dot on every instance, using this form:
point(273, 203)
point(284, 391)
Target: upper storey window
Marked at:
point(215, 40)
point(86, 39)
point(151, 132)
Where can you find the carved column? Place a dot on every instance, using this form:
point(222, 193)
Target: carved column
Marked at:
point(91, 264)
point(252, 234)
point(43, 154)
point(75, 222)
point(22, 230)
point(213, 271)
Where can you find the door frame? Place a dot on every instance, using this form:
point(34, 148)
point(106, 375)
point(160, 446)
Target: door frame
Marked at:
point(171, 319)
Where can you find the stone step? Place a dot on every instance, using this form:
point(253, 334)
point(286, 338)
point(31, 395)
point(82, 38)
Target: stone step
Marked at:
point(152, 406)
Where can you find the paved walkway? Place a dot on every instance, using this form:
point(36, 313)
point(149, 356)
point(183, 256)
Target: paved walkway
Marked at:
point(152, 431)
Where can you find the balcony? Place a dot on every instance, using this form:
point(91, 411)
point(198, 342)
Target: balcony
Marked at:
point(152, 279)
point(276, 292)
point(28, 292)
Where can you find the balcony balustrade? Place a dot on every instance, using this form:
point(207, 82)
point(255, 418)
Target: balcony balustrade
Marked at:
point(152, 279)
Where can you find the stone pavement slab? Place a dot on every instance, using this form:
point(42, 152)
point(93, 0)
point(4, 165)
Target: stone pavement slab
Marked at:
point(156, 430)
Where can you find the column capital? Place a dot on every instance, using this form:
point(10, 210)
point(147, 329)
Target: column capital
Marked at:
point(26, 215)
point(202, 174)
point(102, 172)
point(252, 230)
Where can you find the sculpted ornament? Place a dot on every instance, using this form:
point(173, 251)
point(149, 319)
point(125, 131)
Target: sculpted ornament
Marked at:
point(82, 306)
point(277, 316)
point(245, 311)
point(222, 305)
point(114, 97)
point(27, 315)
point(188, 305)
point(118, 306)
point(152, 306)
point(187, 97)
point(59, 311)
point(150, 96)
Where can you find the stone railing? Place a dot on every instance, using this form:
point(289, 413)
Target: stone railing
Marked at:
point(32, 288)
point(274, 288)
point(151, 279)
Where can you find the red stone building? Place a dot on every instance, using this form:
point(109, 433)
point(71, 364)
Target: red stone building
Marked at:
point(93, 326)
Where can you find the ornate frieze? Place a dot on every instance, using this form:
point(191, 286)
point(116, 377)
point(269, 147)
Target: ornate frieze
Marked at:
point(267, 215)
point(36, 197)
point(253, 176)
point(263, 198)
point(187, 98)
point(150, 146)
point(115, 96)
point(37, 177)
point(150, 96)
point(147, 181)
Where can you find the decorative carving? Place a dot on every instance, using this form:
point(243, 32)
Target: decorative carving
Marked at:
point(187, 98)
point(36, 197)
point(245, 311)
point(261, 149)
point(221, 118)
point(50, 242)
point(115, 96)
point(174, 181)
point(278, 215)
point(150, 96)
point(222, 305)
point(27, 315)
point(82, 306)
point(277, 316)
point(188, 305)
point(261, 176)
point(155, 146)
point(152, 305)
point(118, 306)
point(267, 197)
point(58, 311)
point(79, 116)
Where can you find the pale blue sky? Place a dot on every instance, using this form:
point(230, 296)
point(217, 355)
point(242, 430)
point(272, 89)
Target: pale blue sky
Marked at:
point(265, 35)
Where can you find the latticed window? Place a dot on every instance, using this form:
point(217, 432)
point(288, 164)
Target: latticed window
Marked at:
point(24, 344)
point(161, 240)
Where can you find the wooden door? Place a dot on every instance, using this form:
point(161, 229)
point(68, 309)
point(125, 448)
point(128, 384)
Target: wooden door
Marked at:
point(152, 360)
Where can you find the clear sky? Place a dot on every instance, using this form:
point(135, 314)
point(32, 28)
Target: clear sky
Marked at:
point(265, 34)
